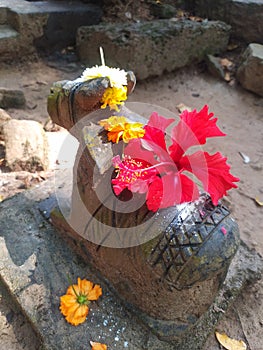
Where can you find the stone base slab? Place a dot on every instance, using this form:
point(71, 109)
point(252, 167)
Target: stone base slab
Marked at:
point(36, 260)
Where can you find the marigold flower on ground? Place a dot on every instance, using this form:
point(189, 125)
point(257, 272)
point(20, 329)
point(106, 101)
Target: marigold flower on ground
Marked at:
point(121, 128)
point(169, 185)
point(74, 305)
point(98, 346)
point(116, 94)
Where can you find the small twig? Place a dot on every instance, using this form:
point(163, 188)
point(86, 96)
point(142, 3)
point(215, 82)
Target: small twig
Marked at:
point(102, 56)
point(127, 5)
point(244, 334)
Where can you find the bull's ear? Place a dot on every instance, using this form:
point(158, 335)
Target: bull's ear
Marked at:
point(131, 79)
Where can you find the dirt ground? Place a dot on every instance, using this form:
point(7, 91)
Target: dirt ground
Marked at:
point(240, 115)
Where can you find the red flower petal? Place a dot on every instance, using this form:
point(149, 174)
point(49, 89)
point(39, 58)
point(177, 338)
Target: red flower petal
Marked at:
point(155, 130)
point(213, 171)
point(135, 150)
point(171, 189)
point(193, 129)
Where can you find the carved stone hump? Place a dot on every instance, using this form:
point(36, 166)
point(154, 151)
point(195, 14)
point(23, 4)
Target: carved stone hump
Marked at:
point(69, 101)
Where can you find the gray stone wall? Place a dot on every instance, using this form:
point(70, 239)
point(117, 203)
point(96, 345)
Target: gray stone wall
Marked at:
point(151, 48)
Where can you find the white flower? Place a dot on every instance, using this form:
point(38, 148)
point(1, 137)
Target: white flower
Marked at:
point(117, 76)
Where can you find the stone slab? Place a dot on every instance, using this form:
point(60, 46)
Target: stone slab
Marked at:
point(153, 47)
point(35, 261)
point(12, 98)
point(43, 24)
point(250, 71)
point(244, 16)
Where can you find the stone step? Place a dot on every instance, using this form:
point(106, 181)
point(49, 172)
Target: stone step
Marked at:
point(35, 261)
point(51, 23)
point(44, 25)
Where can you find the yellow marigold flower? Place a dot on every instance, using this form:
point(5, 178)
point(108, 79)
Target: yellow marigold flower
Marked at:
point(98, 346)
point(113, 97)
point(121, 128)
point(117, 92)
point(74, 304)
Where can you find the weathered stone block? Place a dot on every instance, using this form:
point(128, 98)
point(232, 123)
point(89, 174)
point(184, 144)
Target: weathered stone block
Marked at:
point(26, 145)
point(4, 117)
point(214, 66)
point(250, 72)
point(10, 98)
point(244, 16)
point(150, 48)
point(42, 24)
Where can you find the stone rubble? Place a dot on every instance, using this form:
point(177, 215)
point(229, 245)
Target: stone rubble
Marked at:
point(25, 145)
point(244, 16)
point(4, 117)
point(250, 71)
point(11, 98)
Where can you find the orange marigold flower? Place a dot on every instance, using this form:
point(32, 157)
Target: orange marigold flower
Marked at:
point(113, 97)
point(121, 128)
point(74, 305)
point(98, 346)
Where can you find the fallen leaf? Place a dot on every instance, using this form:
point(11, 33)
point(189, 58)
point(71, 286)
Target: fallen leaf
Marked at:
point(229, 343)
point(182, 107)
point(232, 47)
point(226, 63)
point(258, 202)
point(98, 346)
point(195, 19)
point(1, 198)
point(227, 76)
point(181, 13)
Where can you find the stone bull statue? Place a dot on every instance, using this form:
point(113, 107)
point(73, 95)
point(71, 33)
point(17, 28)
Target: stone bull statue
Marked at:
point(167, 266)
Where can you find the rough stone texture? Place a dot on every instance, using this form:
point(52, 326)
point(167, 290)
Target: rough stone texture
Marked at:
point(146, 47)
point(45, 24)
point(25, 145)
point(214, 66)
point(34, 264)
point(250, 72)
point(4, 117)
point(244, 16)
point(10, 98)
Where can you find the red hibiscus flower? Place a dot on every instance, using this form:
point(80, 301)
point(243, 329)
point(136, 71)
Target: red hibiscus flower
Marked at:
point(163, 179)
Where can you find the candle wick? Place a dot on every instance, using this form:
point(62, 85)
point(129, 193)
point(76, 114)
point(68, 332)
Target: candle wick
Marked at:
point(102, 56)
